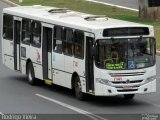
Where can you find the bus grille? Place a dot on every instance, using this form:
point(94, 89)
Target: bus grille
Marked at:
point(126, 74)
point(124, 82)
point(120, 87)
point(123, 86)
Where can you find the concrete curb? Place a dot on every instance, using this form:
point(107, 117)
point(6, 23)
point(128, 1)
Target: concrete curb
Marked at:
point(10, 3)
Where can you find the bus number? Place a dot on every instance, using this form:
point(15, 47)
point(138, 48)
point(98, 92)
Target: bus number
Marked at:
point(117, 78)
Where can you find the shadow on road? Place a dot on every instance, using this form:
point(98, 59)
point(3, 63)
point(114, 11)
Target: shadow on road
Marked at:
point(19, 78)
point(115, 101)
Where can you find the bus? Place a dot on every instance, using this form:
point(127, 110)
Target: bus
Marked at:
point(91, 54)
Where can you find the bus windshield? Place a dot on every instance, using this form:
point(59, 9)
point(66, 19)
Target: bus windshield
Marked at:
point(125, 53)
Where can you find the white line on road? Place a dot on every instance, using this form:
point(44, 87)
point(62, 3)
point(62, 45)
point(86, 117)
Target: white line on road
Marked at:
point(9, 2)
point(156, 105)
point(113, 5)
point(153, 104)
point(88, 114)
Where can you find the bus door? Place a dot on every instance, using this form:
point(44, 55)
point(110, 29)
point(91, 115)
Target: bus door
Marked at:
point(89, 64)
point(47, 53)
point(17, 38)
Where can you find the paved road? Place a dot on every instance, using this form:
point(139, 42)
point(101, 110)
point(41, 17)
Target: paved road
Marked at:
point(126, 3)
point(17, 96)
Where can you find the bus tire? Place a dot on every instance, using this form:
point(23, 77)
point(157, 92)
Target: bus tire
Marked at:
point(30, 74)
point(129, 96)
point(78, 89)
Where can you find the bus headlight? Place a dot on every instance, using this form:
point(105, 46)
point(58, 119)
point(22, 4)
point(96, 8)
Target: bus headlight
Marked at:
point(103, 81)
point(149, 79)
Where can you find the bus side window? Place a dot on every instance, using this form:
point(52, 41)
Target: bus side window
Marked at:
point(26, 31)
point(8, 27)
point(68, 41)
point(36, 34)
point(79, 44)
point(57, 41)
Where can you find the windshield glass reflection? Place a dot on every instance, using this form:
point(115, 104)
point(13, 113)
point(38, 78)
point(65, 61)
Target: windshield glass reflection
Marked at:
point(123, 54)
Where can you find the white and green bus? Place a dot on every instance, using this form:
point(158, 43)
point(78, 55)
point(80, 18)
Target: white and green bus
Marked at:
point(91, 54)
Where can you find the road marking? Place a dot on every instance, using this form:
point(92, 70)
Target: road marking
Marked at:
point(154, 104)
point(113, 5)
point(88, 114)
point(9, 2)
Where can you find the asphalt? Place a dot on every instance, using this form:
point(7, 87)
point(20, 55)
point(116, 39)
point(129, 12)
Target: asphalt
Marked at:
point(17, 96)
point(126, 3)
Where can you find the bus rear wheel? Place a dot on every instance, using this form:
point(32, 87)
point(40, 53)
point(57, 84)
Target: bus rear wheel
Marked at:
point(129, 96)
point(78, 89)
point(30, 74)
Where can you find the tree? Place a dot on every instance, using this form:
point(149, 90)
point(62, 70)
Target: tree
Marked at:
point(149, 9)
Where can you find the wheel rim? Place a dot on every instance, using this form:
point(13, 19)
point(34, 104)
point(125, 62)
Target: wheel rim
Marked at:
point(30, 75)
point(78, 88)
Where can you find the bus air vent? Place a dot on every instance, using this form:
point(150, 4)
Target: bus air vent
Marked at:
point(59, 10)
point(126, 74)
point(37, 6)
point(96, 17)
point(124, 82)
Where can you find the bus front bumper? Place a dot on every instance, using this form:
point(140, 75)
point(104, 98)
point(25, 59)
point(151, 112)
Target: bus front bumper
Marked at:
point(106, 90)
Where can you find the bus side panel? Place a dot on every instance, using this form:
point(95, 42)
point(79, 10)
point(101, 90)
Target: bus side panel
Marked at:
point(68, 64)
point(79, 67)
point(58, 69)
point(8, 61)
point(36, 58)
point(98, 86)
point(25, 54)
point(8, 53)
point(23, 66)
point(38, 71)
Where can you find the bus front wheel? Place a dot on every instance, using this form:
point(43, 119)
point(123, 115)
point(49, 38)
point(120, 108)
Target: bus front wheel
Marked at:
point(30, 74)
point(78, 89)
point(129, 96)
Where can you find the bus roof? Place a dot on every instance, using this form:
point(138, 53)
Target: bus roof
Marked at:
point(68, 18)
